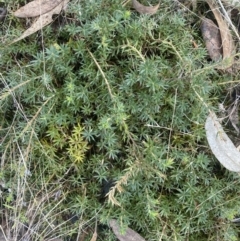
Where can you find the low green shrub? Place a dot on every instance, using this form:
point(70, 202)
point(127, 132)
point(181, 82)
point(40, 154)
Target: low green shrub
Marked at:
point(107, 94)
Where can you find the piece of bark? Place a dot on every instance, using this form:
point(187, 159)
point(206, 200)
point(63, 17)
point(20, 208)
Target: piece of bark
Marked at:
point(128, 235)
point(3, 13)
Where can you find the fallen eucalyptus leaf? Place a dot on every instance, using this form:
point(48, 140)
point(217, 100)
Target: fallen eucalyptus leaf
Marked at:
point(212, 38)
point(220, 144)
point(36, 8)
point(42, 21)
point(226, 37)
point(129, 234)
point(144, 9)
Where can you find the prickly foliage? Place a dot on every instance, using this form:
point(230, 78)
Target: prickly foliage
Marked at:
point(107, 94)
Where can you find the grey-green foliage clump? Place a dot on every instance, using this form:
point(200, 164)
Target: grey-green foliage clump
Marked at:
point(107, 94)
